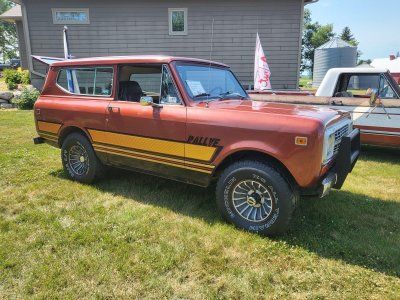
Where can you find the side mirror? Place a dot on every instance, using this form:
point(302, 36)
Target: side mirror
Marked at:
point(148, 101)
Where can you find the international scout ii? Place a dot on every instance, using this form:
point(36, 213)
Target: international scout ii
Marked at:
point(190, 120)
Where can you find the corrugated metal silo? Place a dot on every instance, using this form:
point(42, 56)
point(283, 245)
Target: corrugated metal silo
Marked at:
point(334, 54)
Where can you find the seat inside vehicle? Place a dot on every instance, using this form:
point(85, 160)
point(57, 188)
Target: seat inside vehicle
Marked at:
point(139, 80)
point(130, 91)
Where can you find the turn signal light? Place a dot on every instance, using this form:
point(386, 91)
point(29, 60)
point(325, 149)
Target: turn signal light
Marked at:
point(301, 141)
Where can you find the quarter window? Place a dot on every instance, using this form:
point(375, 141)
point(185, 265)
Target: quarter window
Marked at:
point(67, 16)
point(86, 81)
point(177, 21)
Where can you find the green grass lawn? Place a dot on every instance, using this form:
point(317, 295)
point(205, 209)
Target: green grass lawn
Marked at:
point(136, 236)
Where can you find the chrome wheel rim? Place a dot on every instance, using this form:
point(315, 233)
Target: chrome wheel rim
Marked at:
point(78, 159)
point(252, 200)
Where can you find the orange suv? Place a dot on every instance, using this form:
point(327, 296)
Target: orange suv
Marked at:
point(190, 120)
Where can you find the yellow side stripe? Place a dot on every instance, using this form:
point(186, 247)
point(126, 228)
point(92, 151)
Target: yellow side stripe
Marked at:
point(153, 156)
point(49, 127)
point(179, 149)
point(48, 137)
point(152, 160)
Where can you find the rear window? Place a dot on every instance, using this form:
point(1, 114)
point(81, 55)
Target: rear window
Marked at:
point(86, 81)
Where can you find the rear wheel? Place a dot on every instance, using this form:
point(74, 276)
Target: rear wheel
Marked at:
point(79, 159)
point(256, 197)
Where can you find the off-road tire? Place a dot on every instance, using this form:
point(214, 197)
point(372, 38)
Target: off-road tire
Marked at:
point(90, 169)
point(268, 185)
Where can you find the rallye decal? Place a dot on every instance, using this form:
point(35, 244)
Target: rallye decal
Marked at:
point(166, 152)
point(48, 130)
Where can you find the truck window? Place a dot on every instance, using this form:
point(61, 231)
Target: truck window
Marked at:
point(153, 81)
point(86, 81)
point(385, 90)
point(357, 85)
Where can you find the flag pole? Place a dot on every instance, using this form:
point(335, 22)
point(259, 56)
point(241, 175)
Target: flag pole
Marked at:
point(67, 55)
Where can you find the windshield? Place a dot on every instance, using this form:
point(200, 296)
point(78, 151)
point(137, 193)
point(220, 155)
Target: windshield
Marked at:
point(204, 82)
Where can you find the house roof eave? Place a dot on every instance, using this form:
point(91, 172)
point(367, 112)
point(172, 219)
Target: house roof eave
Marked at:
point(13, 14)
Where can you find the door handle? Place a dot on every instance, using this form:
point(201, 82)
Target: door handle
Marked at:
point(113, 109)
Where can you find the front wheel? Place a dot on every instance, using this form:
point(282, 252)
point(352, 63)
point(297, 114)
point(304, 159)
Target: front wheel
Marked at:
point(256, 197)
point(79, 159)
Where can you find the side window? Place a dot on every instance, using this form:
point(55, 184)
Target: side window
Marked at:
point(86, 81)
point(136, 81)
point(361, 85)
point(169, 92)
point(150, 83)
point(385, 90)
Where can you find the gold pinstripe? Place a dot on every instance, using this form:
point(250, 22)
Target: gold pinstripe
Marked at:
point(49, 127)
point(153, 160)
point(96, 146)
point(49, 131)
point(179, 149)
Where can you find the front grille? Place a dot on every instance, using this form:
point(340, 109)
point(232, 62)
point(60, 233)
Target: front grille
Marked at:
point(339, 134)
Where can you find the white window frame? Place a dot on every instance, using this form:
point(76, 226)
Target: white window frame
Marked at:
point(185, 21)
point(84, 10)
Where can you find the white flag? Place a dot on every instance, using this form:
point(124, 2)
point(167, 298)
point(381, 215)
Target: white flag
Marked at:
point(262, 73)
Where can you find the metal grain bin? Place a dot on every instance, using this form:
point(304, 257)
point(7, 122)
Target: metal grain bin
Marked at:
point(334, 54)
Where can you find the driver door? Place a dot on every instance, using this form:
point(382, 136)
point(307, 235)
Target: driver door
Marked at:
point(148, 138)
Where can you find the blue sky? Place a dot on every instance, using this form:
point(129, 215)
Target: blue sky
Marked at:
point(374, 23)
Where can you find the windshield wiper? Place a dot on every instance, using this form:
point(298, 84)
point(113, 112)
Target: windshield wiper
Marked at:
point(202, 95)
point(230, 94)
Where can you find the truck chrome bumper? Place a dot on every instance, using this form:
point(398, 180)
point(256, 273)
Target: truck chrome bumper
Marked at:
point(347, 157)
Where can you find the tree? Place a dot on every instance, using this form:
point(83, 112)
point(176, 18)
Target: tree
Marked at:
point(8, 34)
point(347, 36)
point(314, 36)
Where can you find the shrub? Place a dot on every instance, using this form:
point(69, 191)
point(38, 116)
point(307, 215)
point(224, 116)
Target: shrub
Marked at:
point(11, 85)
point(14, 77)
point(27, 99)
point(25, 78)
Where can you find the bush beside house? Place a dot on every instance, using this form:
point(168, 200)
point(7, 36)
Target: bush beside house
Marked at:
point(21, 94)
point(14, 77)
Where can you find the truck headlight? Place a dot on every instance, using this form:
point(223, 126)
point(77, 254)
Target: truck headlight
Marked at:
point(333, 136)
point(329, 147)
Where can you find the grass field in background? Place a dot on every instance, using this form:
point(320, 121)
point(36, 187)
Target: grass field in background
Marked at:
point(133, 235)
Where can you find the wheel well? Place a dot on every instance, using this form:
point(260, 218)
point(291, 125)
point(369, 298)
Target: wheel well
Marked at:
point(254, 155)
point(67, 131)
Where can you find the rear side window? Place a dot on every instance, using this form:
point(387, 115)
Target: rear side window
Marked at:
point(86, 81)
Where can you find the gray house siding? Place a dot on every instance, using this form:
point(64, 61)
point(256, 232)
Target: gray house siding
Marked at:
point(21, 44)
point(127, 27)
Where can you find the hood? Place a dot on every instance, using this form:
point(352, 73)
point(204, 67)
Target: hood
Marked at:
point(321, 113)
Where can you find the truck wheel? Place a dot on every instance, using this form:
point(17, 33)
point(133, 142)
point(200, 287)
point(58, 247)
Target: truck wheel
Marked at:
point(79, 160)
point(256, 197)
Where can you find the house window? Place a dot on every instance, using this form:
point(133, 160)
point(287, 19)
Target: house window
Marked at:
point(67, 16)
point(177, 21)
